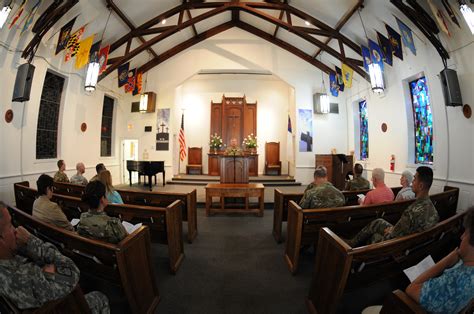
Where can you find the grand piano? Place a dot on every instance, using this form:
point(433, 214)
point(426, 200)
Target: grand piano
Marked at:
point(146, 168)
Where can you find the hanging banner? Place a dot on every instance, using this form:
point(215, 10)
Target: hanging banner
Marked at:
point(64, 35)
point(82, 57)
point(339, 79)
point(386, 47)
point(122, 72)
point(73, 45)
point(347, 74)
point(333, 85)
point(407, 36)
point(366, 57)
point(375, 53)
point(103, 57)
point(130, 85)
point(305, 123)
point(163, 128)
point(395, 41)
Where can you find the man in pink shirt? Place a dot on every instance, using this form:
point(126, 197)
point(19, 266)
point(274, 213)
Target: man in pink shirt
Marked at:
point(381, 193)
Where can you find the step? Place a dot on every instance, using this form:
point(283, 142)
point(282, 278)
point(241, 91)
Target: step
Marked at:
point(204, 183)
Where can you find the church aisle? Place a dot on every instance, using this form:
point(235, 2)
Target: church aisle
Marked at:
point(234, 266)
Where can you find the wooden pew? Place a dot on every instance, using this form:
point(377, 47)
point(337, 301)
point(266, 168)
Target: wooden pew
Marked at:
point(282, 199)
point(304, 224)
point(164, 222)
point(146, 198)
point(127, 264)
point(340, 269)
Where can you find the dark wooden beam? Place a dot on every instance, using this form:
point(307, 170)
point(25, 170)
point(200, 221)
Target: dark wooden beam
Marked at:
point(155, 30)
point(284, 45)
point(185, 45)
point(277, 27)
point(188, 13)
point(130, 25)
point(342, 22)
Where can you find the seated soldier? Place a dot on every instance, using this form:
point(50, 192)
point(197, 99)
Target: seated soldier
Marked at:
point(95, 223)
point(33, 272)
point(79, 178)
point(323, 194)
point(98, 168)
point(448, 286)
point(60, 175)
point(381, 193)
point(48, 211)
point(406, 193)
point(112, 196)
point(359, 182)
point(233, 149)
point(418, 217)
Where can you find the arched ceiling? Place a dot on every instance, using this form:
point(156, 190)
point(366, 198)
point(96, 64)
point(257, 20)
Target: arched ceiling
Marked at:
point(161, 29)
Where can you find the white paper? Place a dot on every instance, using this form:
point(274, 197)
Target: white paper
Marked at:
point(75, 221)
point(414, 271)
point(361, 198)
point(130, 227)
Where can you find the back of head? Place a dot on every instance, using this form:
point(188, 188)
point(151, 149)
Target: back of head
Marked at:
point(408, 176)
point(379, 175)
point(469, 224)
point(106, 178)
point(425, 175)
point(60, 163)
point(320, 172)
point(93, 192)
point(79, 166)
point(99, 167)
point(358, 169)
point(43, 183)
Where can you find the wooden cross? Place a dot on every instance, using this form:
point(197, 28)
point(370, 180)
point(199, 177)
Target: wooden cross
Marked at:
point(162, 126)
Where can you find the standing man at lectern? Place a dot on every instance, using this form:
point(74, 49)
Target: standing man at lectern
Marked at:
point(233, 149)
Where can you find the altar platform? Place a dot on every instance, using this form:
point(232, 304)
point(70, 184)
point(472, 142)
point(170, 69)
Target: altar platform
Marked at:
point(203, 180)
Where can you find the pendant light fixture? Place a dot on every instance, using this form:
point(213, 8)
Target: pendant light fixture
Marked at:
point(467, 14)
point(92, 74)
point(5, 13)
point(323, 97)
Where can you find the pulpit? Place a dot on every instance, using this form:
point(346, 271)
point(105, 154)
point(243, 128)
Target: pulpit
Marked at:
point(234, 169)
point(338, 166)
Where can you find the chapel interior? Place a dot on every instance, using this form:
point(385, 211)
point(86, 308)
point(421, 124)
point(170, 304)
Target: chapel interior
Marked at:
point(211, 117)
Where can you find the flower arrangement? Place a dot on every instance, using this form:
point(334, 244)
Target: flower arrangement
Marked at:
point(250, 141)
point(215, 142)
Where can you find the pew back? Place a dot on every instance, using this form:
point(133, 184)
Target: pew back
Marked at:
point(126, 264)
point(340, 269)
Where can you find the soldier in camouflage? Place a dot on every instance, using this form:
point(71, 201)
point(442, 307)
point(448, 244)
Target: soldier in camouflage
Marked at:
point(321, 194)
point(60, 176)
point(359, 182)
point(33, 272)
point(419, 216)
point(95, 223)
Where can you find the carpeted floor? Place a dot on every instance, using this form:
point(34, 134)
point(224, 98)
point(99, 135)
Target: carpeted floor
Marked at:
point(233, 266)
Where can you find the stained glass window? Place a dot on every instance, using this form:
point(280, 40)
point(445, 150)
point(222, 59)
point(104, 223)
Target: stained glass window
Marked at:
point(106, 130)
point(364, 130)
point(423, 121)
point(48, 117)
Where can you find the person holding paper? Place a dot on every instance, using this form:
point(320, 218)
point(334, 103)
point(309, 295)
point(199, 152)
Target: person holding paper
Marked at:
point(448, 286)
point(381, 193)
point(419, 216)
point(48, 211)
point(95, 223)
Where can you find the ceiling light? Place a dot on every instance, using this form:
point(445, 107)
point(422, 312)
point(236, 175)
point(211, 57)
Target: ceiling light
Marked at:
point(307, 23)
point(376, 78)
point(91, 76)
point(468, 15)
point(4, 13)
point(143, 103)
point(324, 103)
point(163, 22)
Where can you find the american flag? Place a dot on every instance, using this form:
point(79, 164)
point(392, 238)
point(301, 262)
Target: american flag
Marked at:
point(182, 140)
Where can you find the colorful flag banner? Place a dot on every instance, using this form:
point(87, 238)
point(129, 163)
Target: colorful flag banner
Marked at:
point(395, 41)
point(64, 35)
point(407, 36)
point(103, 57)
point(376, 53)
point(440, 20)
point(73, 44)
point(450, 12)
point(30, 17)
point(339, 79)
point(82, 57)
point(366, 57)
point(130, 86)
point(386, 47)
point(347, 74)
point(138, 84)
point(333, 84)
point(182, 140)
point(123, 74)
point(18, 13)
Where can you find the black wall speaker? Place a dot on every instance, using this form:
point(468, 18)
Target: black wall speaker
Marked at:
point(450, 87)
point(24, 78)
point(148, 128)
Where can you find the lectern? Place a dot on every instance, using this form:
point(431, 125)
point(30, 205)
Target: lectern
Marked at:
point(338, 166)
point(234, 169)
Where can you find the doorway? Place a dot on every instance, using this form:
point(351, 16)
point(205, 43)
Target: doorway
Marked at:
point(129, 152)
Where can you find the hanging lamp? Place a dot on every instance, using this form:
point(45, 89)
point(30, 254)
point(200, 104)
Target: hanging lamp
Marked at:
point(5, 13)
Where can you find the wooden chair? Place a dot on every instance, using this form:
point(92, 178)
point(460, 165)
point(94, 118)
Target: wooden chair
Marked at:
point(272, 158)
point(194, 160)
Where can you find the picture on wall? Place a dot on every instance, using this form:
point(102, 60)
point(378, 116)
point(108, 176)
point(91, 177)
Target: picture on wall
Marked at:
point(163, 127)
point(305, 117)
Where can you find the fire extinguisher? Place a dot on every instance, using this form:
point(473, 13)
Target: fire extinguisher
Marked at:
point(392, 163)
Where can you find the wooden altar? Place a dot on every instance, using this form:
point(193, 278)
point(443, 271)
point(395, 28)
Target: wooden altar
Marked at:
point(214, 166)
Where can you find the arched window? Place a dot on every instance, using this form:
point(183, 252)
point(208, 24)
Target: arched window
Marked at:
point(423, 121)
point(363, 130)
point(106, 129)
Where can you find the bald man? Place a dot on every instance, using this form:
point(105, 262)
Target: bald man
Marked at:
point(78, 178)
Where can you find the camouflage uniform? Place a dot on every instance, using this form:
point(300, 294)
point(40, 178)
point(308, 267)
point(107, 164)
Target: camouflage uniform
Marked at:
point(60, 177)
point(324, 195)
point(358, 183)
point(24, 282)
point(98, 225)
point(78, 179)
point(419, 216)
